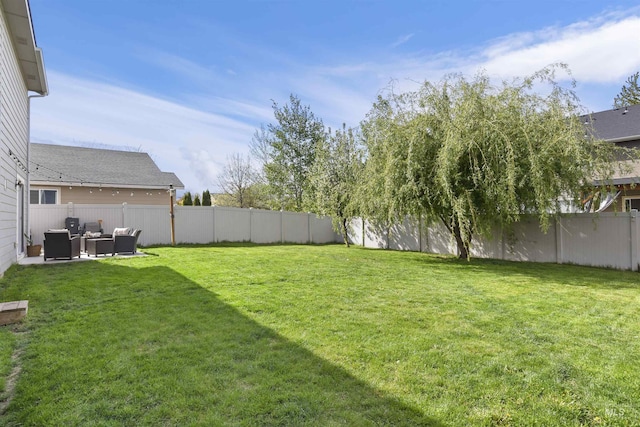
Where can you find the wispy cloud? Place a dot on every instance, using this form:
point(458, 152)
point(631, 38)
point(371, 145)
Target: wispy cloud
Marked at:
point(81, 111)
point(601, 52)
point(402, 40)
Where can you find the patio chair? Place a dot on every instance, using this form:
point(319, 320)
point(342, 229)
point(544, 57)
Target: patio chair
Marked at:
point(92, 227)
point(125, 243)
point(60, 244)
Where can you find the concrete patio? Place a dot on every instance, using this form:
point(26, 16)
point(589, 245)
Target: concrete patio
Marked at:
point(83, 257)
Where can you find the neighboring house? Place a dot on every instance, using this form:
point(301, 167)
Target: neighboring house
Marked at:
point(620, 126)
point(21, 71)
point(62, 174)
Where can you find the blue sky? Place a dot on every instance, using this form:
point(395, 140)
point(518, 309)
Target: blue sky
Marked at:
point(190, 81)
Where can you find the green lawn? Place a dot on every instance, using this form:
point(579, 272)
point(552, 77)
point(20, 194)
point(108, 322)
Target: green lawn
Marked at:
point(320, 335)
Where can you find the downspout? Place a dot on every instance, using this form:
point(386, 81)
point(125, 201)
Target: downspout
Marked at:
point(27, 205)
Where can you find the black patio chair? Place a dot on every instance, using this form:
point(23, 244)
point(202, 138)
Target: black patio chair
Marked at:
point(93, 227)
point(126, 243)
point(60, 244)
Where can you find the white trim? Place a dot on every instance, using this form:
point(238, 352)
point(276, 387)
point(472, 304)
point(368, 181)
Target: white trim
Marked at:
point(624, 201)
point(624, 138)
point(97, 185)
point(58, 191)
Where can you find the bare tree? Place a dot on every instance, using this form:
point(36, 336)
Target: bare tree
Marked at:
point(630, 92)
point(236, 179)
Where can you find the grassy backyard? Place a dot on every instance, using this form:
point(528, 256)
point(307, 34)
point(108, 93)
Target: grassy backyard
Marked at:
point(319, 335)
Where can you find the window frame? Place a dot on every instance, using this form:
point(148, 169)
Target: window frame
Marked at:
point(625, 199)
point(40, 190)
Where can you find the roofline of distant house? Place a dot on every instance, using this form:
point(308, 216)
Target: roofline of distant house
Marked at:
point(35, 183)
point(624, 138)
point(618, 181)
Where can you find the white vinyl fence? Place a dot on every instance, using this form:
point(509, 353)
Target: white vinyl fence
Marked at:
point(601, 240)
point(193, 224)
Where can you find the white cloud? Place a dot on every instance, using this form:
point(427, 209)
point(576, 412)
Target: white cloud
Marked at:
point(80, 111)
point(402, 40)
point(600, 52)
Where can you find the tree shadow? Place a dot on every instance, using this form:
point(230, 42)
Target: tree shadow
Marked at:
point(566, 274)
point(125, 346)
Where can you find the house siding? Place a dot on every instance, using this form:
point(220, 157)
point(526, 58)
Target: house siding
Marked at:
point(13, 138)
point(108, 196)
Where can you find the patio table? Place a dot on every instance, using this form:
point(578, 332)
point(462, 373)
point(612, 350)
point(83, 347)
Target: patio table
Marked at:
point(99, 246)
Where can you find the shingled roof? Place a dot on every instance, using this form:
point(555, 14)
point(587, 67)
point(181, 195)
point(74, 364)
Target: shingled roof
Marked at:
point(620, 124)
point(60, 164)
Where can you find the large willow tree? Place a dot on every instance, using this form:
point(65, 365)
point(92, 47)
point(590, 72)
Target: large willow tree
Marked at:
point(473, 154)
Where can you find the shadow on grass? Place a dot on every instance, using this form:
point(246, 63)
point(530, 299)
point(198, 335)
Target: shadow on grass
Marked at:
point(568, 274)
point(112, 345)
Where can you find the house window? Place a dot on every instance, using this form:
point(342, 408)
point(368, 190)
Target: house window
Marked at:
point(43, 197)
point(631, 203)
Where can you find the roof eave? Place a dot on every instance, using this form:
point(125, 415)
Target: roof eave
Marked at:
point(29, 56)
point(624, 138)
point(36, 182)
point(42, 73)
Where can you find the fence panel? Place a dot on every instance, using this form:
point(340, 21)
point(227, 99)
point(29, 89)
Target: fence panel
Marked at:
point(438, 240)
point(603, 241)
point(153, 220)
point(530, 243)
point(194, 224)
point(232, 224)
point(45, 217)
point(112, 216)
point(375, 235)
point(322, 230)
point(295, 227)
point(405, 236)
point(266, 226)
point(355, 233)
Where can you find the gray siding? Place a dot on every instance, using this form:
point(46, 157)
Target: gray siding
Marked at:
point(13, 137)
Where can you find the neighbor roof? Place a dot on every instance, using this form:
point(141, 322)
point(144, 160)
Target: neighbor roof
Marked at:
point(60, 164)
point(620, 124)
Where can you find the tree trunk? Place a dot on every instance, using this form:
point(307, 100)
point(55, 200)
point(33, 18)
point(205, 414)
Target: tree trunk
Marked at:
point(463, 247)
point(344, 231)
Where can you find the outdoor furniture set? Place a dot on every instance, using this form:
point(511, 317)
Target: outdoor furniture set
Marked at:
point(63, 244)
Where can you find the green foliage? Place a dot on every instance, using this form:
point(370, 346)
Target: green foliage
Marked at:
point(334, 178)
point(287, 150)
point(630, 92)
point(196, 200)
point(186, 199)
point(206, 198)
point(473, 154)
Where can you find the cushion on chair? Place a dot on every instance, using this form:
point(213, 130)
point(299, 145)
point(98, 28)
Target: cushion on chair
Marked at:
point(59, 230)
point(122, 231)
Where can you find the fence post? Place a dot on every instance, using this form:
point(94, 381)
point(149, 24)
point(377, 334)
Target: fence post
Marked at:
point(251, 225)
point(281, 227)
point(70, 209)
point(502, 243)
point(125, 214)
point(634, 239)
point(363, 226)
point(309, 236)
point(559, 248)
point(213, 219)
